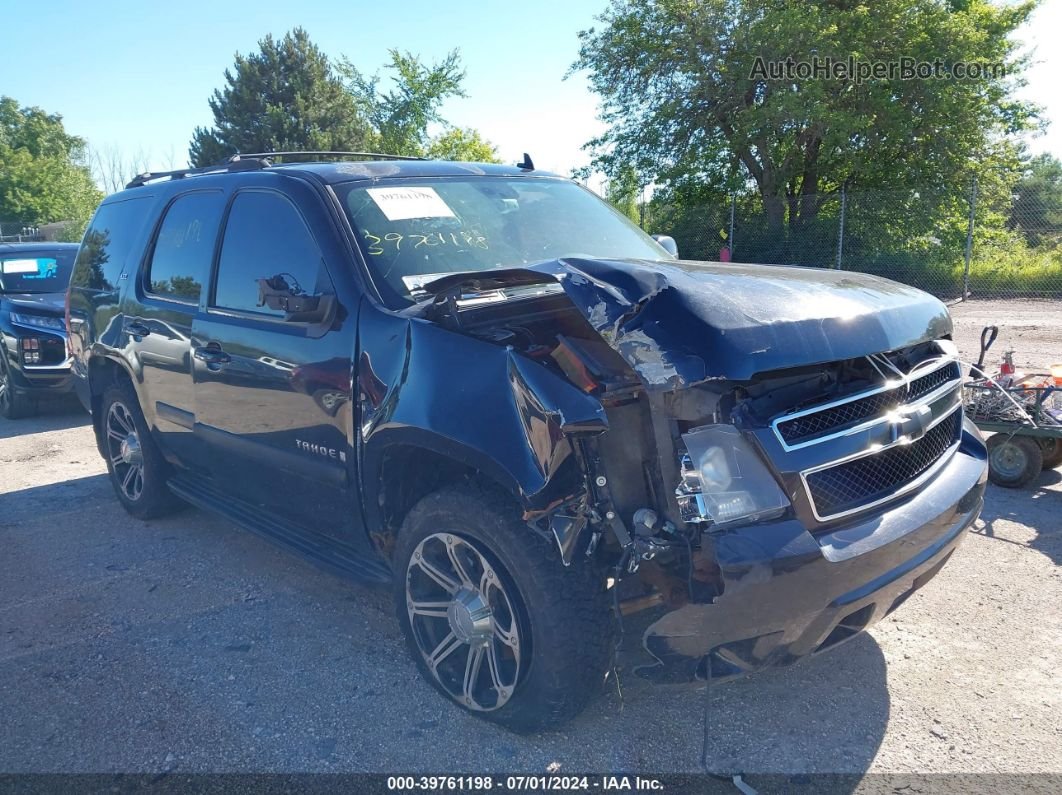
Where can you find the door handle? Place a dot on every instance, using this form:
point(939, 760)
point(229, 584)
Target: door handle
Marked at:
point(137, 329)
point(212, 355)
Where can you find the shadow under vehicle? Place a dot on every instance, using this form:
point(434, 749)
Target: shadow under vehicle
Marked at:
point(538, 419)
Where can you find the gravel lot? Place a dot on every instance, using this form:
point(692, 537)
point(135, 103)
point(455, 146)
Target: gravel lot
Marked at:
point(187, 644)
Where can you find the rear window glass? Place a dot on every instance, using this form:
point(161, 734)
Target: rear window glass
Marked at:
point(39, 272)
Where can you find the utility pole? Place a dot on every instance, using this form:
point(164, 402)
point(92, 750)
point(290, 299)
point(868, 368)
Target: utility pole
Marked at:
point(969, 241)
point(730, 240)
point(840, 228)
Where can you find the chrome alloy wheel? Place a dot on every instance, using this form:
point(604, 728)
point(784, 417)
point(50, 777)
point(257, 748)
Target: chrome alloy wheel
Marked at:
point(123, 448)
point(463, 621)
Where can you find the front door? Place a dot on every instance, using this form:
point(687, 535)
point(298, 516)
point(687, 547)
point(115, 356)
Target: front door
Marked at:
point(273, 389)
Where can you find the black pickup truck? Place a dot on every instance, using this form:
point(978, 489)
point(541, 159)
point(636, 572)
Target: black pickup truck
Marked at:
point(483, 385)
point(34, 365)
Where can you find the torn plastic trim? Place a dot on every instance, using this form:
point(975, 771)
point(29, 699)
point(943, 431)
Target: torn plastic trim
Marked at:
point(593, 509)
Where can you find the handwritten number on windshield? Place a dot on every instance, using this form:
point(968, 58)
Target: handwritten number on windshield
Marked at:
point(464, 240)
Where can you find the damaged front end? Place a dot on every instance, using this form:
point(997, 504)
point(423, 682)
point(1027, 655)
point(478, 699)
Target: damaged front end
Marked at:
point(779, 457)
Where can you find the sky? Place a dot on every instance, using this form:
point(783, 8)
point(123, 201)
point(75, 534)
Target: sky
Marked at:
point(136, 76)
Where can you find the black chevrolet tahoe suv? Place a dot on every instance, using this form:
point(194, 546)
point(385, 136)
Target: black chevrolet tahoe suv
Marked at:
point(483, 385)
point(34, 365)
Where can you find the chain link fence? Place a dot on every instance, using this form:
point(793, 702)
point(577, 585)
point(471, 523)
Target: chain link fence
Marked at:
point(19, 232)
point(948, 241)
point(31, 232)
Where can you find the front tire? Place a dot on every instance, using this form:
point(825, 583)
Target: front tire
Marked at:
point(137, 469)
point(493, 618)
point(13, 404)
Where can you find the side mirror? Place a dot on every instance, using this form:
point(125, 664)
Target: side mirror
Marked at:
point(668, 244)
point(298, 307)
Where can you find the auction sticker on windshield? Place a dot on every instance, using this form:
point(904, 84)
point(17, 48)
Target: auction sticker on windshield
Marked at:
point(400, 204)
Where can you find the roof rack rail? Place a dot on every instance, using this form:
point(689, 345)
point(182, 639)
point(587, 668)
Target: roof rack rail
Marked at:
point(236, 163)
point(251, 162)
point(370, 155)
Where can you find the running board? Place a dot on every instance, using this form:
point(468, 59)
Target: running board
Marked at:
point(319, 549)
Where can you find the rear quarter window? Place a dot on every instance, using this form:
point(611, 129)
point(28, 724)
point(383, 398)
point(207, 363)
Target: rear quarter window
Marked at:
point(114, 231)
point(112, 241)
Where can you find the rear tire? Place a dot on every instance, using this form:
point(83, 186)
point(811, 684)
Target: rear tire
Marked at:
point(136, 466)
point(1013, 460)
point(1052, 452)
point(13, 404)
point(472, 580)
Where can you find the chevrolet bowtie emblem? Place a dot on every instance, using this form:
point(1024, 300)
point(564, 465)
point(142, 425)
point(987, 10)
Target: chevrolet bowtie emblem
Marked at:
point(912, 422)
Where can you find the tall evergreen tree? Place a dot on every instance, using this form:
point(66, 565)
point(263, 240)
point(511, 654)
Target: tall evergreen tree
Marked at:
point(284, 97)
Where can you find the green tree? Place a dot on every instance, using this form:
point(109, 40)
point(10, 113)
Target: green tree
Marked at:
point(462, 143)
point(623, 192)
point(685, 95)
point(1037, 208)
point(400, 116)
point(91, 257)
point(44, 176)
point(284, 97)
point(181, 286)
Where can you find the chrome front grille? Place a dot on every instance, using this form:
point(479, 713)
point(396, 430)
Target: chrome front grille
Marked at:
point(927, 384)
point(856, 412)
point(862, 450)
point(846, 415)
point(879, 475)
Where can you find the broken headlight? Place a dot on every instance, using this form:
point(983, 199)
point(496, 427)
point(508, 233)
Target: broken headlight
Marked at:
point(724, 480)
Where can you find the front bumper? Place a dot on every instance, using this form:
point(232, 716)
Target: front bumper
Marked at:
point(42, 382)
point(39, 381)
point(788, 593)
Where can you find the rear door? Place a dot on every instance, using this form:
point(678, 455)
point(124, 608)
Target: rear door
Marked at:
point(159, 314)
point(273, 391)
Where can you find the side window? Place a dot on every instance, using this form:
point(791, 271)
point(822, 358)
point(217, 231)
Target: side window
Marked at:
point(184, 249)
point(110, 237)
point(265, 237)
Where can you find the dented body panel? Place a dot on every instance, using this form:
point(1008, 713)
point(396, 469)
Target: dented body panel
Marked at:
point(680, 323)
point(485, 406)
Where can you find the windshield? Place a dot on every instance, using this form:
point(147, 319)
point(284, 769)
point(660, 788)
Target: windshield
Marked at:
point(36, 272)
point(417, 228)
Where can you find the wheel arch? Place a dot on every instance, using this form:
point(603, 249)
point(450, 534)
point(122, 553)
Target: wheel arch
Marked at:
point(397, 472)
point(102, 372)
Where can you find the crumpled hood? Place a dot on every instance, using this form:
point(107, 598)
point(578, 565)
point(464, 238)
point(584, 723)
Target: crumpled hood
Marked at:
point(679, 323)
point(42, 303)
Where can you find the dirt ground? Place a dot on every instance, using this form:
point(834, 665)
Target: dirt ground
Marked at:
point(187, 644)
point(1031, 328)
